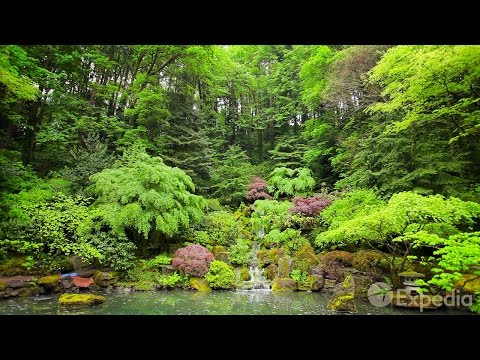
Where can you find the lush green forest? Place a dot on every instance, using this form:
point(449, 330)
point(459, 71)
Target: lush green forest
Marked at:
point(136, 157)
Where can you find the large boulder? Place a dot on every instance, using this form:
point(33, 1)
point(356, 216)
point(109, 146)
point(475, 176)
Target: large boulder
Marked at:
point(305, 258)
point(285, 266)
point(284, 284)
point(217, 249)
point(200, 284)
point(316, 281)
point(271, 272)
point(16, 282)
point(78, 263)
point(365, 260)
point(343, 298)
point(105, 279)
point(80, 299)
point(49, 282)
point(86, 273)
point(469, 283)
point(66, 283)
point(271, 256)
point(329, 285)
point(223, 256)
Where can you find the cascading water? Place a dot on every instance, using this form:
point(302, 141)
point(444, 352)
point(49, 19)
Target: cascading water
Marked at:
point(258, 281)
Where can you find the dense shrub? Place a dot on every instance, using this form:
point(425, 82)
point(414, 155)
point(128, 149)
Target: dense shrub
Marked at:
point(240, 253)
point(220, 275)
point(141, 194)
point(311, 206)
point(287, 182)
point(117, 249)
point(162, 259)
point(57, 226)
point(289, 239)
point(257, 189)
point(193, 259)
point(269, 214)
point(350, 205)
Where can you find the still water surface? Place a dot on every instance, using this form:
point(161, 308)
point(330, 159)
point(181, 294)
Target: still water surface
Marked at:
point(184, 302)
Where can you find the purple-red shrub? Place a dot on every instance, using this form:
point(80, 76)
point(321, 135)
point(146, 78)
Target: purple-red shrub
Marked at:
point(311, 206)
point(257, 189)
point(193, 259)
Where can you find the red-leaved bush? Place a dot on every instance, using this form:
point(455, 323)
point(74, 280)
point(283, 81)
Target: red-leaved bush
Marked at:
point(311, 206)
point(193, 259)
point(257, 189)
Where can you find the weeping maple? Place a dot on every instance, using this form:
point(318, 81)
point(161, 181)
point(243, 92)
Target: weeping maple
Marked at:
point(142, 196)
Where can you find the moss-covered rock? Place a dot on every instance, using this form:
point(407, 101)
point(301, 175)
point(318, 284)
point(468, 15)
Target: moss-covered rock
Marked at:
point(284, 284)
point(365, 260)
point(285, 266)
point(80, 299)
point(271, 256)
point(316, 282)
point(271, 271)
point(49, 282)
point(199, 284)
point(469, 282)
point(223, 256)
point(343, 296)
point(344, 258)
point(217, 249)
point(105, 279)
point(13, 266)
point(3, 285)
point(305, 258)
point(244, 274)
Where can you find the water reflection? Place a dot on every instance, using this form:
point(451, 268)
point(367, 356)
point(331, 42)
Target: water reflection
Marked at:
point(246, 302)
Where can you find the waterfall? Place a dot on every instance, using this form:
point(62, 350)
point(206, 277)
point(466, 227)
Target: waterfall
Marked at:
point(256, 272)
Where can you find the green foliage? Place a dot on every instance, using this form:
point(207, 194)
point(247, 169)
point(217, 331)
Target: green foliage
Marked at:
point(12, 58)
point(116, 249)
point(220, 227)
point(92, 158)
point(154, 263)
point(269, 214)
point(301, 277)
point(240, 252)
point(14, 175)
point(55, 226)
point(460, 255)
point(350, 205)
point(313, 75)
point(142, 194)
point(291, 182)
point(408, 221)
point(170, 281)
point(431, 90)
point(220, 275)
point(232, 176)
point(288, 152)
point(289, 239)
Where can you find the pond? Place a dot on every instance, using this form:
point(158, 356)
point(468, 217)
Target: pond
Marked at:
point(184, 302)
